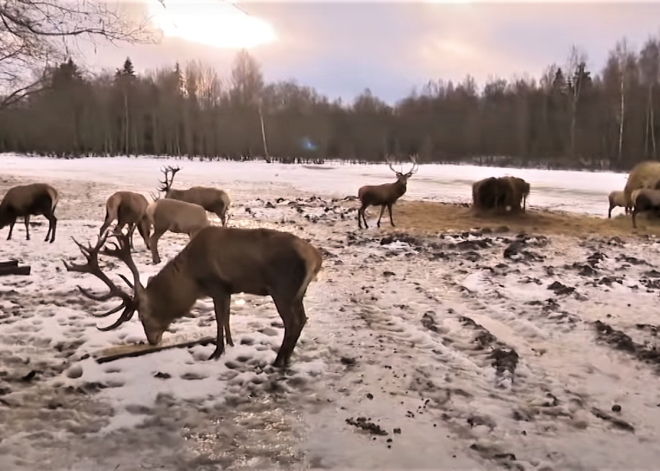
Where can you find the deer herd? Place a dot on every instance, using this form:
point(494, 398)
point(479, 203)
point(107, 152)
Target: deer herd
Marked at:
point(218, 261)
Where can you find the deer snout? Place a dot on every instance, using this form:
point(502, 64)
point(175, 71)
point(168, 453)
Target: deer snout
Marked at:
point(153, 338)
point(153, 332)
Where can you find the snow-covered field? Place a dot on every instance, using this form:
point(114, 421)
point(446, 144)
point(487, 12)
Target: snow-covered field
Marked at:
point(460, 351)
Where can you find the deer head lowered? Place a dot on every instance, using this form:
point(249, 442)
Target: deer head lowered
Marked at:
point(211, 199)
point(217, 263)
point(386, 194)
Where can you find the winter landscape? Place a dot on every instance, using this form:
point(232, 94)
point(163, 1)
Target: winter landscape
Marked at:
point(485, 346)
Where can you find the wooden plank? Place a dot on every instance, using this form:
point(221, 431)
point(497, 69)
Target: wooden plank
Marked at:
point(136, 350)
point(4, 271)
point(10, 263)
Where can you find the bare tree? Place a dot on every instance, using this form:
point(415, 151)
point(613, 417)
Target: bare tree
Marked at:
point(622, 53)
point(649, 63)
point(37, 33)
point(577, 60)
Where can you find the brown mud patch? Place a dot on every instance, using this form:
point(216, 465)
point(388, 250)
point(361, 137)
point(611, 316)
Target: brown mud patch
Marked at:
point(427, 216)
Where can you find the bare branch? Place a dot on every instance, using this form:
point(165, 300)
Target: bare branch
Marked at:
point(37, 33)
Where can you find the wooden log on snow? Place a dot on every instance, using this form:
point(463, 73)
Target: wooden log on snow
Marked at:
point(136, 350)
point(10, 263)
point(5, 271)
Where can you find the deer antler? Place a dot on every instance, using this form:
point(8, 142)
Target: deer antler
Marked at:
point(92, 267)
point(123, 253)
point(388, 160)
point(415, 167)
point(169, 171)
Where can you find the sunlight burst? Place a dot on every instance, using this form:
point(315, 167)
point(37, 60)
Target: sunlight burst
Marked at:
point(213, 22)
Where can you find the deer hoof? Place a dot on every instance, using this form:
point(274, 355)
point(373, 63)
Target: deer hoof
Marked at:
point(217, 353)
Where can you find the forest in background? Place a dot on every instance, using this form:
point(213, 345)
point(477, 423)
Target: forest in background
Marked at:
point(570, 117)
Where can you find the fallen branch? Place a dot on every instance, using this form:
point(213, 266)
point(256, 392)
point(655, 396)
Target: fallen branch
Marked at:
point(10, 263)
point(14, 270)
point(136, 350)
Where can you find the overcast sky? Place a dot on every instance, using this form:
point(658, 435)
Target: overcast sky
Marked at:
point(342, 47)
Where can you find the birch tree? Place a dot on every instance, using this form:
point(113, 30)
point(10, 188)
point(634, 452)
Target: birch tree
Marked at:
point(649, 63)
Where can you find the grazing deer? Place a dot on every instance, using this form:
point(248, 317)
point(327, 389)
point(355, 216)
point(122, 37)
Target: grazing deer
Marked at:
point(217, 263)
point(174, 216)
point(26, 200)
point(128, 208)
point(211, 199)
point(384, 195)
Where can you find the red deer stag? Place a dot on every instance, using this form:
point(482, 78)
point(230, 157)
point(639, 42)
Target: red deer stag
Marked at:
point(384, 195)
point(128, 208)
point(26, 200)
point(217, 262)
point(212, 200)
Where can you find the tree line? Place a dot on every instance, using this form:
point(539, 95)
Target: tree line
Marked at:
point(570, 117)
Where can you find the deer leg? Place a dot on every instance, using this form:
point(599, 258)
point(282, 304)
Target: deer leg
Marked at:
point(11, 228)
point(153, 243)
point(361, 213)
point(389, 210)
point(52, 225)
point(131, 230)
point(382, 210)
point(294, 318)
point(221, 304)
point(26, 219)
point(105, 225)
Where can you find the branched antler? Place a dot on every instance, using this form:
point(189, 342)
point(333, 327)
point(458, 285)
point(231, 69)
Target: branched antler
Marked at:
point(169, 172)
point(92, 267)
point(123, 253)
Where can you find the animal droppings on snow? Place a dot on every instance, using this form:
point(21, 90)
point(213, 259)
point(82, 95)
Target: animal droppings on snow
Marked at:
point(74, 371)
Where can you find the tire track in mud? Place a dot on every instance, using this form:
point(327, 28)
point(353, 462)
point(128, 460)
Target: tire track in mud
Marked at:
point(574, 331)
point(537, 397)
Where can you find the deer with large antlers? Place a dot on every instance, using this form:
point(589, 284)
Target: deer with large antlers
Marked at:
point(212, 200)
point(217, 263)
point(384, 195)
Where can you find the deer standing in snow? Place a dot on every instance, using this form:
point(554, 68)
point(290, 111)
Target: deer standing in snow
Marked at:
point(128, 208)
point(26, 200)
point(217, 262)
point(384, 195)
point(212, 200)
point(174, 216)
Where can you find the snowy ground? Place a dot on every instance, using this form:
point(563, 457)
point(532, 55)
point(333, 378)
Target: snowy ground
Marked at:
point(563, 190)
point(468, 350)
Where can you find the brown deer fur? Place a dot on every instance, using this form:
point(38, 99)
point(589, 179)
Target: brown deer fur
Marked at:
point(499, 193)
point(212, 200)
point(26, 200)
point(217, 263)
point(174, 216)
point(384, 195)
point(128, 208)
point(643, 200)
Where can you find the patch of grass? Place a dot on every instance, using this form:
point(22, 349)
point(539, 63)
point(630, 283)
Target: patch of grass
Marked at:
point(426, 216)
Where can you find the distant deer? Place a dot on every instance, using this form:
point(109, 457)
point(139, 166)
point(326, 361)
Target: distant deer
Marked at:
point(217, 262)
point(26, 200)
point(128, 208)
point(384, 195)
point(212, 200)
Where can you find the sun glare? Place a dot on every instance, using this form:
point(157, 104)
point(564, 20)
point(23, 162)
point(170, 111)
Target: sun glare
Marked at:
point(216, 23)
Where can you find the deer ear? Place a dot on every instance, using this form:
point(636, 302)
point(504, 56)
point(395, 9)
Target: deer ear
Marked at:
point(149, 280)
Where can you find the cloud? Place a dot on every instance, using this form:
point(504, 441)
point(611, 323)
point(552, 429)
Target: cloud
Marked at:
point(343, 47)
